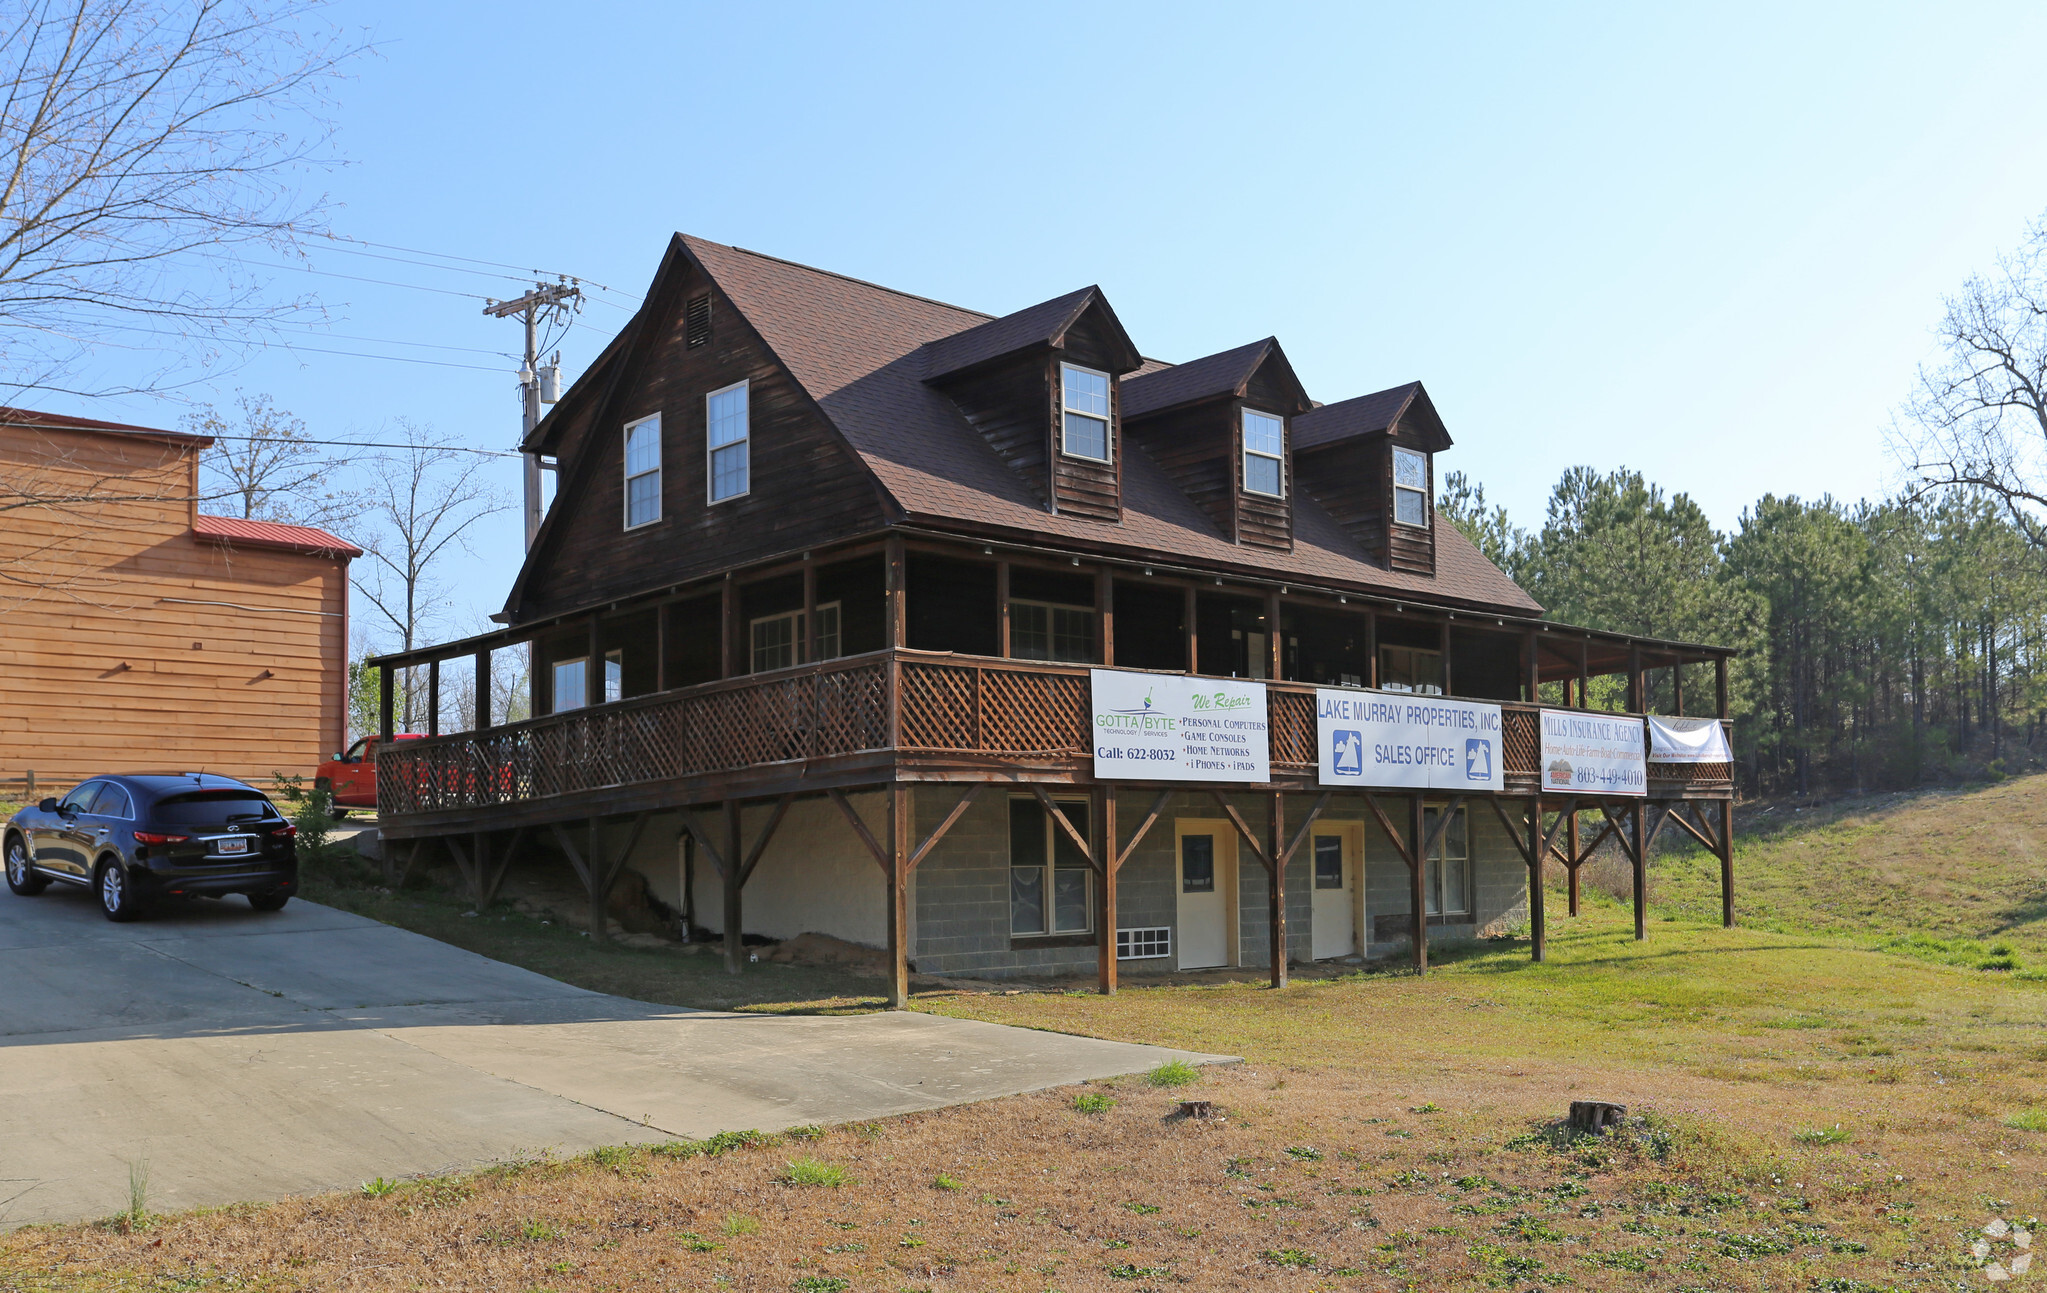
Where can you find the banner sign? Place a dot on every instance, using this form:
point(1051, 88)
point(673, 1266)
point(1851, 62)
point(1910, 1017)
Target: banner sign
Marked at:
point(1688, 740)
point(1162, 727)
point(1414, 742)
point(1592, 754)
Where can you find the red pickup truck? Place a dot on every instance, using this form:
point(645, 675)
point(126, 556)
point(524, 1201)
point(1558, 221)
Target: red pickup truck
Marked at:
point(353, 776)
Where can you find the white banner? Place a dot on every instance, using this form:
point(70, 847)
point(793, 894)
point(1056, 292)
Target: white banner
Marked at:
point(1417, 742)
point(1163, 727)
point(1688, 740)
point(1592, 754)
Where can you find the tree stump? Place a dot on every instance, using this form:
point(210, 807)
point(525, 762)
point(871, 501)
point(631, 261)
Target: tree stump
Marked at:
point(1593, 1117)
point(1197, 1109)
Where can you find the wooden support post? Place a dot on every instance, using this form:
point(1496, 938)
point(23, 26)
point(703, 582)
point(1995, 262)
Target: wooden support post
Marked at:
point(1534, 683)
point(809, 652)
point(1637, 701)
point(661, 647)
point(433, 698)
point(1571, 850)
point(593, 672)
point(1584, 678)
point(1677, 687)
point(735, 941)
point(1538, 852)
point(899, 827)
point(1109, 860)
point(1720, 687)
point(1188, 613)
point(689, 884)
point(1371, 648)
point(1275, 850)
point(534, 665)
point(1275, 653)
point(1417, 865)
point(386, 698)
point(483, 690)
point(1727, 862)
point(728, 627)
point(1002, 608)
point(1640, 851)
point(593, 860)
point(895, 621)
point(1444, 637)
point(1105, 614)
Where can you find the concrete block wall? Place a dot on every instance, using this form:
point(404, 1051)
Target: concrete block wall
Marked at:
point(1499, 881)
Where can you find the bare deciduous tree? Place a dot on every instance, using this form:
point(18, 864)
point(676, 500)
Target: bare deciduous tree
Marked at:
point(1978, 417)
point(421, 503)
point(144, 144)
point(265, 468)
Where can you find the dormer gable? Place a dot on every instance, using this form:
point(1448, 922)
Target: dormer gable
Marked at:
point(1220, 426)
point(1370, 462)
point(1041, 386)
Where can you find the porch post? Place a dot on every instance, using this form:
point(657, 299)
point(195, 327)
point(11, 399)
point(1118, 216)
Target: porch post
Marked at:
point(899, 827)
point(809, 609)
point(1193, 636)
point(1371, 648)
point(1418, 863)
point(483, 689)
point(385, 701)
point(734, 942)
point(433, 698)
point(595, 860)
point(1637, 828)
point(892, 592)
point(1444, 637)
point(1677, 687)
point(1002, 609)
point(1720, 687)
point(1538, 943)
point(593, 672)
point(1727, 862)
point(1105, 850)
point(1275, 653)
point(661, 647)
point(1584, 676)
point(1534, 650)
point(728, 629)
point(1637, 702)
point(1105, 613)
point(1571, 849)
point(1275, 887)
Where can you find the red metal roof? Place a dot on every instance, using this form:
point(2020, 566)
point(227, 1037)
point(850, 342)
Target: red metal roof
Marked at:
point(269, 534)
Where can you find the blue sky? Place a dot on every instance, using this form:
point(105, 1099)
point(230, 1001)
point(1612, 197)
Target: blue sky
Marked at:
point(1709, 244)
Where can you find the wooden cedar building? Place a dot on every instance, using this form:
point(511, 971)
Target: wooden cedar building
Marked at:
point(137, 634)
point(819, 594)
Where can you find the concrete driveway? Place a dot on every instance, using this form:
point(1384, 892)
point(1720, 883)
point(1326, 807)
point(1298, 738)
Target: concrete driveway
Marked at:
point(247, 1056)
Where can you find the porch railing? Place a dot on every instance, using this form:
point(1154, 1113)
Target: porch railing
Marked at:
point(914, 702)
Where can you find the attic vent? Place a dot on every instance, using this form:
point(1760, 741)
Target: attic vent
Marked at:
point(696, 320)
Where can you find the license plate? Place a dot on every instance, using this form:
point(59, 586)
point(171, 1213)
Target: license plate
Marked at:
point(237, 844)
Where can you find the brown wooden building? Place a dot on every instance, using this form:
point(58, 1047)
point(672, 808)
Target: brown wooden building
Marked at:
point(137, 634)
point(827, 582)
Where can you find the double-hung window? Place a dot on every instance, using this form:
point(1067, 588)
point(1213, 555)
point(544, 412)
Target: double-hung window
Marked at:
point(571, 684)
point(730, 439)
point(1410, 487)
point(1264, 454)
point(1044, 631)
point(1084, 405)
point(1050, 887)
point(777, 640)
point(643, 472)
point(614, 676)
point(1446, 883)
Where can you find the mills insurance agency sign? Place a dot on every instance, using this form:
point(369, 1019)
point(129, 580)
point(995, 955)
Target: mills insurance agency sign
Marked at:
point(1592, 754)
point(1415, 742)
point(1157, 727)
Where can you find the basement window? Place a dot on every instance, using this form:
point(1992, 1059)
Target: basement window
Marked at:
point(1051, 889)
point(1410, 487)
point(730, 435)
point(1264, 454)
point(643, 472)
point(1084, 404)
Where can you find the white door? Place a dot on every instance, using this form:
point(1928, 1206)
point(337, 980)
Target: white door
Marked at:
point(1335, 880)
point(1207, 888)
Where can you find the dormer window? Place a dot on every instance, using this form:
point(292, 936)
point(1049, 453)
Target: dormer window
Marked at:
point(1084, 404)
point(1264, 454)
point(1410, 487)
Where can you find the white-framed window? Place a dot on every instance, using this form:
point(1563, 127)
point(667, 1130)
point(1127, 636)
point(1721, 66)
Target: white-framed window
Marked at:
point(776, 641)
point(1446, 882)
point(643, 472)
point(1047, 631)
point(1410, 487)
point(614, 676)
point(728, 442)
point(571, 684)
point(1051, 889)
point(1084, 413)
point(1411, 669)
point(1264, 454)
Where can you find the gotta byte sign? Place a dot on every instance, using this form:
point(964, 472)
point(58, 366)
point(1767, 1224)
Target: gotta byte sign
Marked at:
point(1157, 727)
point(1415, 742)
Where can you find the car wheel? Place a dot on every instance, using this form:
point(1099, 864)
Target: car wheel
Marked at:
point(269, 900)
point(21, 876)
point(340, 814)
point(117, 896)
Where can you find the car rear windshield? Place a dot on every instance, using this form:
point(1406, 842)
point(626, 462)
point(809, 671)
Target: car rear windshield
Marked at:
point(212, 808)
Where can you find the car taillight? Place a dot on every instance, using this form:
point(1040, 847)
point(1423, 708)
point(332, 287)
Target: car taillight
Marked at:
point(286, 831)
point(156, 837)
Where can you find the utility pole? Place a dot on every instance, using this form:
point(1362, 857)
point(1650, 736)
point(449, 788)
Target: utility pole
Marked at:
point(555, 301)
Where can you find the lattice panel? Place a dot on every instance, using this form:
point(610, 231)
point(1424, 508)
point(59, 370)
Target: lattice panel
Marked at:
point(852, 710)
point(939, 708)
point(1692, 773)
point(1521, 741)
point(1034, 713)
point(1293, 728)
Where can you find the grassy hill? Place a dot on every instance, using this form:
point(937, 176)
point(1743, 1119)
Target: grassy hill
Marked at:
point(1958, 876)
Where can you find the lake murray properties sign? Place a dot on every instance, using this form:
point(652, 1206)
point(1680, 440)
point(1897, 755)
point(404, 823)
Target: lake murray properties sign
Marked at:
point(1592, 754)
point(1410, 742)
point(1162, 727)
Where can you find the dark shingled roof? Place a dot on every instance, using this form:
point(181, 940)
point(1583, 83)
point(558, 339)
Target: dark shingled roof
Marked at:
point(1223, 373)
point(1346, 419)
point(1036, 325)
point(855, 348)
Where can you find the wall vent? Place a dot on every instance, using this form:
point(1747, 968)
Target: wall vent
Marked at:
point(1143, 944)
point(696, 320)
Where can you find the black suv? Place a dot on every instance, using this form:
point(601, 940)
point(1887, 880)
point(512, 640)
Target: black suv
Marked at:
point(132, 838)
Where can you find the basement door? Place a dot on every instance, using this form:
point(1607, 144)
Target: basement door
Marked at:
point(1336, 880)
point(1207, 910)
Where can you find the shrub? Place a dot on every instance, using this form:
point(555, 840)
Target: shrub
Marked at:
point(1173, 1073)
point(811, 1171)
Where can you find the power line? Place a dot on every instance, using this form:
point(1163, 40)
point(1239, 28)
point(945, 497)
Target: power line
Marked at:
point(396, 359)
point(366, 444)
point(521, 270)
point(355, 278)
